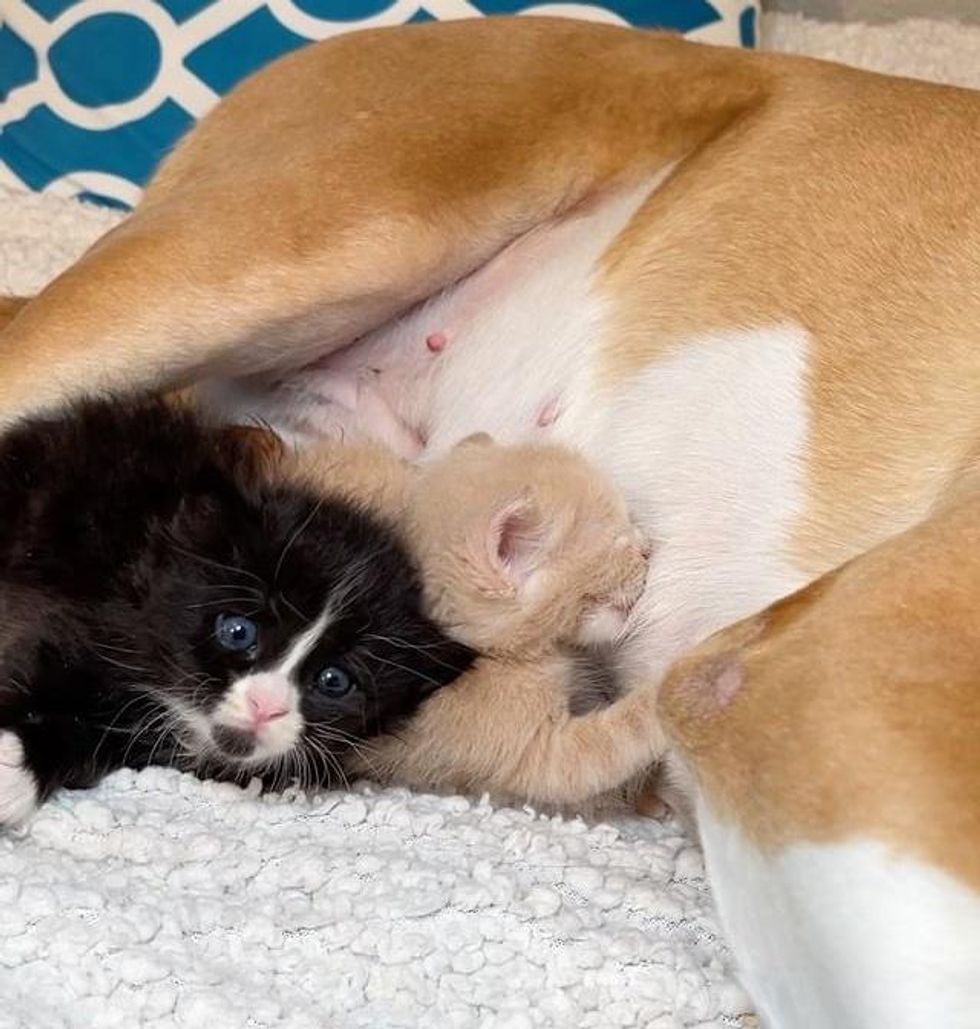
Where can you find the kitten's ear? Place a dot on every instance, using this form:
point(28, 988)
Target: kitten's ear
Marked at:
point(515, 543)
point(251, 454)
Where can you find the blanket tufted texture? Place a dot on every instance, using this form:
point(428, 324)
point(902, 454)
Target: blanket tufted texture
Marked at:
point(157, 900)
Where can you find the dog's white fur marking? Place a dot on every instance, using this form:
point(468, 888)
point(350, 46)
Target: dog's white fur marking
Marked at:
point(847, 935)
point(707, 445)
point(523, 331)
point(18, 789)
point(274, 688)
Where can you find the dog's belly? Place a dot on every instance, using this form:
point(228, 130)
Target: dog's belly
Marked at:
point(505, 350)
point(499, 351)
point(706, 444)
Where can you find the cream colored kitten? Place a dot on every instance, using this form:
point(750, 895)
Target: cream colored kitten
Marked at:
point(526, 552)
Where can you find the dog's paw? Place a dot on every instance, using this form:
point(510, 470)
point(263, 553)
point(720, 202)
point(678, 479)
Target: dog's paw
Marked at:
point(18, 788)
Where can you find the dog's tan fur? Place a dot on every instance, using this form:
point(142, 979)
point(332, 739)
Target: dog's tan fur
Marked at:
point(840, 201)
point(882, 277)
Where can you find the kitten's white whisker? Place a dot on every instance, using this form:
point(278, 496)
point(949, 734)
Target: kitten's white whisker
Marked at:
point(308, 773)
point(320, 737)
point(159, 722)
point(292, 540)
point(139, 697)
point(397, 641)
point(19, 684)
point(331, 732)
point(117, 648)
point(333, 762)
point(240, 586)
point(292, 607)
point(212, 563)
point(404, 668)
point(116, 663)
point(256, 604)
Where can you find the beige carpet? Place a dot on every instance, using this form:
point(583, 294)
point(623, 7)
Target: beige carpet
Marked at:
point(937, 50)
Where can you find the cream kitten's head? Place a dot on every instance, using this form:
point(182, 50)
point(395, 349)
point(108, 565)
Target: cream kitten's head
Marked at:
point(524, 547)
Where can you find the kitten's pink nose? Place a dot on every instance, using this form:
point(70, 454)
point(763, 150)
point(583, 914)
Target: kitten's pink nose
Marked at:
point(264, 708)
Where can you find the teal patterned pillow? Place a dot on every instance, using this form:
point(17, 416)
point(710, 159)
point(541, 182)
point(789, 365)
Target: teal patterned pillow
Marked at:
point(94, 92)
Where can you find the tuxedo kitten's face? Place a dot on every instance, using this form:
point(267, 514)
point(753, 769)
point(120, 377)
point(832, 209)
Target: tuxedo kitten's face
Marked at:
point(290, 629)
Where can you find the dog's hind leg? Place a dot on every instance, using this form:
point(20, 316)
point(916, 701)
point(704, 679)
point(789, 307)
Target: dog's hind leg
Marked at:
point(352, 179)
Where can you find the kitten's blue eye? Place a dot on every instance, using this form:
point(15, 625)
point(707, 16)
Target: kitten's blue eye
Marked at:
point(333, 682)
point(235, 633)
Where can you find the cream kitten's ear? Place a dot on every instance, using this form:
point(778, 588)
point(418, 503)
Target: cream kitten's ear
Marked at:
point(511, 547)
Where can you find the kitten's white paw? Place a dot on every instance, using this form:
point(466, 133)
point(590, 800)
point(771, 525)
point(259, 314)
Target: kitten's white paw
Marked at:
point(18, 790)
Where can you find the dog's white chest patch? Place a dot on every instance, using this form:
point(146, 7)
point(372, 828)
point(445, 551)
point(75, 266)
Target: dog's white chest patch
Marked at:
point(708, 445)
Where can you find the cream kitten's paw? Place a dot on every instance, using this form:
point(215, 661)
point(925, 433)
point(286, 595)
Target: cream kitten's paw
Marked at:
point(602, 623)
point(605, 620)
point(18, 790)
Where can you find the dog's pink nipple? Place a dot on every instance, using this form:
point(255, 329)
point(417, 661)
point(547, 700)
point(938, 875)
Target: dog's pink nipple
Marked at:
point(436, 341)
point(548, 414)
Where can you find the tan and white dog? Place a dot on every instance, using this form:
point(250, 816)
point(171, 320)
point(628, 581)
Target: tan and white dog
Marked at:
point(748, 286)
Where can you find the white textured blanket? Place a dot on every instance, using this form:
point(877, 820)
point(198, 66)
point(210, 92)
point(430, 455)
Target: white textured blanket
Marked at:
point(157, 900)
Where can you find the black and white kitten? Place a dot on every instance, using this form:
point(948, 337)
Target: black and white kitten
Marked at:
point(161, 603)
